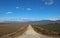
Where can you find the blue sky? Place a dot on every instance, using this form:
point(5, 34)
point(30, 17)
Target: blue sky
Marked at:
point(31, 9)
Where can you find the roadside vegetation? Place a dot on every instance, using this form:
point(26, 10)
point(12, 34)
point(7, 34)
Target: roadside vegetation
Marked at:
point(52, 29)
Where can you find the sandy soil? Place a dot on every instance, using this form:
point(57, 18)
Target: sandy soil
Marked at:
point(30, 33)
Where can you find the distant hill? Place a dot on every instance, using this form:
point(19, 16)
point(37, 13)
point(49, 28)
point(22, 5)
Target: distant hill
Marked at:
point(32, 22)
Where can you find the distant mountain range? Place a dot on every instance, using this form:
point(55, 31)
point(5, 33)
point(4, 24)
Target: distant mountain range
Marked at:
point(32, 22)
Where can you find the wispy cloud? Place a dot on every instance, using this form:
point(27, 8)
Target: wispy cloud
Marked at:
point(55, 18)
point(1, 20)
point(17, 7)
point(9, 12)
point(22, 8)
point(17, 19)
point(29, 9)
point(48, 2)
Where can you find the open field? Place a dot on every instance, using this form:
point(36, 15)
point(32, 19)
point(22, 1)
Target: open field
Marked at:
point(21, 31)
point(47, 29)
point(12, 29)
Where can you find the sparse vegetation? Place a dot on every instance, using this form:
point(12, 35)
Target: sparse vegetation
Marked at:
point(47, 29)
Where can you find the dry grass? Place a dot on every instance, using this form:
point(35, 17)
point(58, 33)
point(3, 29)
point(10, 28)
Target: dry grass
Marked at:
point(12, 29)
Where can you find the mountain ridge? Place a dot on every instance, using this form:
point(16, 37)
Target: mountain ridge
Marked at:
point(31, 22)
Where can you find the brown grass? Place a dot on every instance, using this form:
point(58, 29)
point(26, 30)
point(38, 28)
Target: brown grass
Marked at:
point(12, 30)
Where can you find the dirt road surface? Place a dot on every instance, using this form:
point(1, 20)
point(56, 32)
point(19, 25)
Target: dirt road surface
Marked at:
point(30, 33)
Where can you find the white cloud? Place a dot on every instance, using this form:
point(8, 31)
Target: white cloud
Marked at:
point(9, 12)
point(55, 18)
point(22, 7)
point(48, 2)
point(17, 7)
point(1, 20)
point(29, 9)
point(17, 19)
